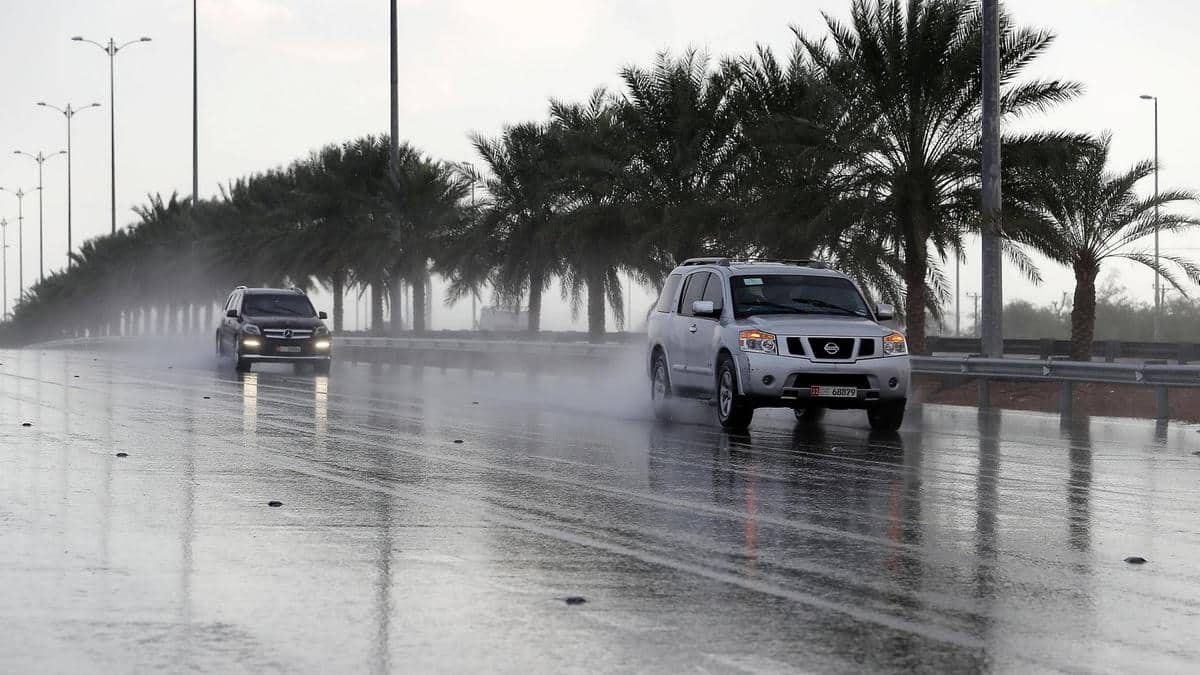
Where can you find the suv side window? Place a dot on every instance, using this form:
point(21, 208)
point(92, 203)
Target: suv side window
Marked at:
point(692, 292)
point(229, 301)
point(667, 298)
point(714, 291)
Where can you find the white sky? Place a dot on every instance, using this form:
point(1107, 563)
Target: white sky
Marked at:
point(282, 77)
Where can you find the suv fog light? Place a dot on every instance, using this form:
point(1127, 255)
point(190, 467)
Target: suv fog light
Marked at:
point(321, 344)
point(250, 342)
point(768, 379)
point(893, 382)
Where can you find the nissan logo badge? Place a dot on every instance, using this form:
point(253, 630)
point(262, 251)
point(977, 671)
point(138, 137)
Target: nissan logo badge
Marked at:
point(831, 348)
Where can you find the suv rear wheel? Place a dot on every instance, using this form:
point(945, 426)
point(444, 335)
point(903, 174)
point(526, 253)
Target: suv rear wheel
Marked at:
point(733, 410)
point(660, 388)
point(886, 415)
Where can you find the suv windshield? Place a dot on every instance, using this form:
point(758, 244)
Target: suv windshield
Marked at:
point(262, 304)
point(795, 294)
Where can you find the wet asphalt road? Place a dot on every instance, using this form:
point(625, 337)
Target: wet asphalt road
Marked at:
point(965, 543)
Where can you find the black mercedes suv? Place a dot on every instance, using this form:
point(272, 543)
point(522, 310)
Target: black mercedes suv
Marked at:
point(273, 325)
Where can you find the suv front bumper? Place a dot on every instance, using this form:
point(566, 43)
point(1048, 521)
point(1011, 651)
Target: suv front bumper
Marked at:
point(787, 380)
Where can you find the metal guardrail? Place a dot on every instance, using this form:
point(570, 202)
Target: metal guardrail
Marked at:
point(497, 355)
point(1109, 350)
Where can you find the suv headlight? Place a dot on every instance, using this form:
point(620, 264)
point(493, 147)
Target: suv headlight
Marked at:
point(250, 329)
point(321, 331)
point(757, 341)
point(894, 345)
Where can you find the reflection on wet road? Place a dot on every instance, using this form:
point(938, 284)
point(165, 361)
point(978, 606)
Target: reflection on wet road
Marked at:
point(966, 542)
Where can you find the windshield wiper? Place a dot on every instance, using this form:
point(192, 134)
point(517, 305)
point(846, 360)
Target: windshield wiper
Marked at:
point(828, 305)
point(775, 305)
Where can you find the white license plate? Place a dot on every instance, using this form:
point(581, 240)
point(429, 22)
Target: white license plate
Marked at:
point(833, 392)
point(288, 350)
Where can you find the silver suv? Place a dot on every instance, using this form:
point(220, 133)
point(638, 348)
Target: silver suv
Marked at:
point(792, 334)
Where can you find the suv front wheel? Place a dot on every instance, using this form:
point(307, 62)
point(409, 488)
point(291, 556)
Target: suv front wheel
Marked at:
point(886, 415)
point(733, 410)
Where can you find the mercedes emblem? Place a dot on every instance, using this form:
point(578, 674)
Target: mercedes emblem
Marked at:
point(288, 334)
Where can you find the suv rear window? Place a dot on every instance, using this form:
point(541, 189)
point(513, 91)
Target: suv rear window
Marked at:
point(666, 299)
point(795, 294)
point(282, 304)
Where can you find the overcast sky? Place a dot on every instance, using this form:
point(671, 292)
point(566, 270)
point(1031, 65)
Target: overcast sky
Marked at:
point(279, 78)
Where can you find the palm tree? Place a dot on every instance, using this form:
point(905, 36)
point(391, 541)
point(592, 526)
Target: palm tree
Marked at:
point(681, 127)
point(427, 200)
point(596, 233)
point(910, 72)
point(522, 206)
point(1094, 216)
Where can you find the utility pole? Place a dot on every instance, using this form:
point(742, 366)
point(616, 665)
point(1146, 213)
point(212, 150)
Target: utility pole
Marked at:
point(40, 158)
point(1157, 276)
point(992, 335)
point(195, 113)
point(111, 49)
point(958, 291)
point(69, 113)
point(4, 247)
point(20, 195)
point(975, 297)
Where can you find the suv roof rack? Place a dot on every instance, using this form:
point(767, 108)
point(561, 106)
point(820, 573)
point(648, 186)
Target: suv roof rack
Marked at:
point(723, 262)
point(815, 263)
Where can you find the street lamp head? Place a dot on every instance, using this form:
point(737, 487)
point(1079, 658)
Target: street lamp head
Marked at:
point(77, 38)
point(1147, 97)
point(42, 103)
point(145, 39)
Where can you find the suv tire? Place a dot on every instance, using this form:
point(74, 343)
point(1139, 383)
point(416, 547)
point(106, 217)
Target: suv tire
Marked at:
point(733, 410)
point(241, 365)
point(660, 388)
point(810, 414)
point(322, 367)
point(887, 415)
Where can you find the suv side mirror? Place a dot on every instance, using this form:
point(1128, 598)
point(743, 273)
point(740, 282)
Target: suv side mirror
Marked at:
point(704, 308)
point(885, 312)
point(232, 314)
point(322, 315)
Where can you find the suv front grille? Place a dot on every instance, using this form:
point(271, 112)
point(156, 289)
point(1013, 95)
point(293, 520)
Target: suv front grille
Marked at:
point(281, 333)
point(833, 349)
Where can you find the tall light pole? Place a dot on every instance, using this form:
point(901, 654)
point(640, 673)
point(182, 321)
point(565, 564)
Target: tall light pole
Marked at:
point(992, 326)
point(20, 195)
point(111, 49)
point(4, 247)
point(1157, 276)
point(40, 159)
point(69, 113)
point(195, 111)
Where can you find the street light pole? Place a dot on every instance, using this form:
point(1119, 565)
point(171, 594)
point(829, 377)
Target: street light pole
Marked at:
point(69, 113)
point(4, 247)
point(41, 160)
point(1157, 276)
point(111, 49)
point(20, 195)
point(195, 111)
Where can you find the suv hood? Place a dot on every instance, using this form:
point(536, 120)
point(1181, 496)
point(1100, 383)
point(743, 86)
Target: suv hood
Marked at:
point(310, 322)
point(824, 325)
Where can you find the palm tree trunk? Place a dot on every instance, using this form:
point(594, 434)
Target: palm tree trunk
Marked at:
point(1083, 314)
point(418, 301)
point(595, 306)
point(536, 281)
point(338, 283)
point(396, 296)
point(377, 291)
point(915, 271)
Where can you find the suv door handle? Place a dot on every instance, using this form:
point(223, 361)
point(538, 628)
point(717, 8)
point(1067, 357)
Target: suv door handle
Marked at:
point(692, 328)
